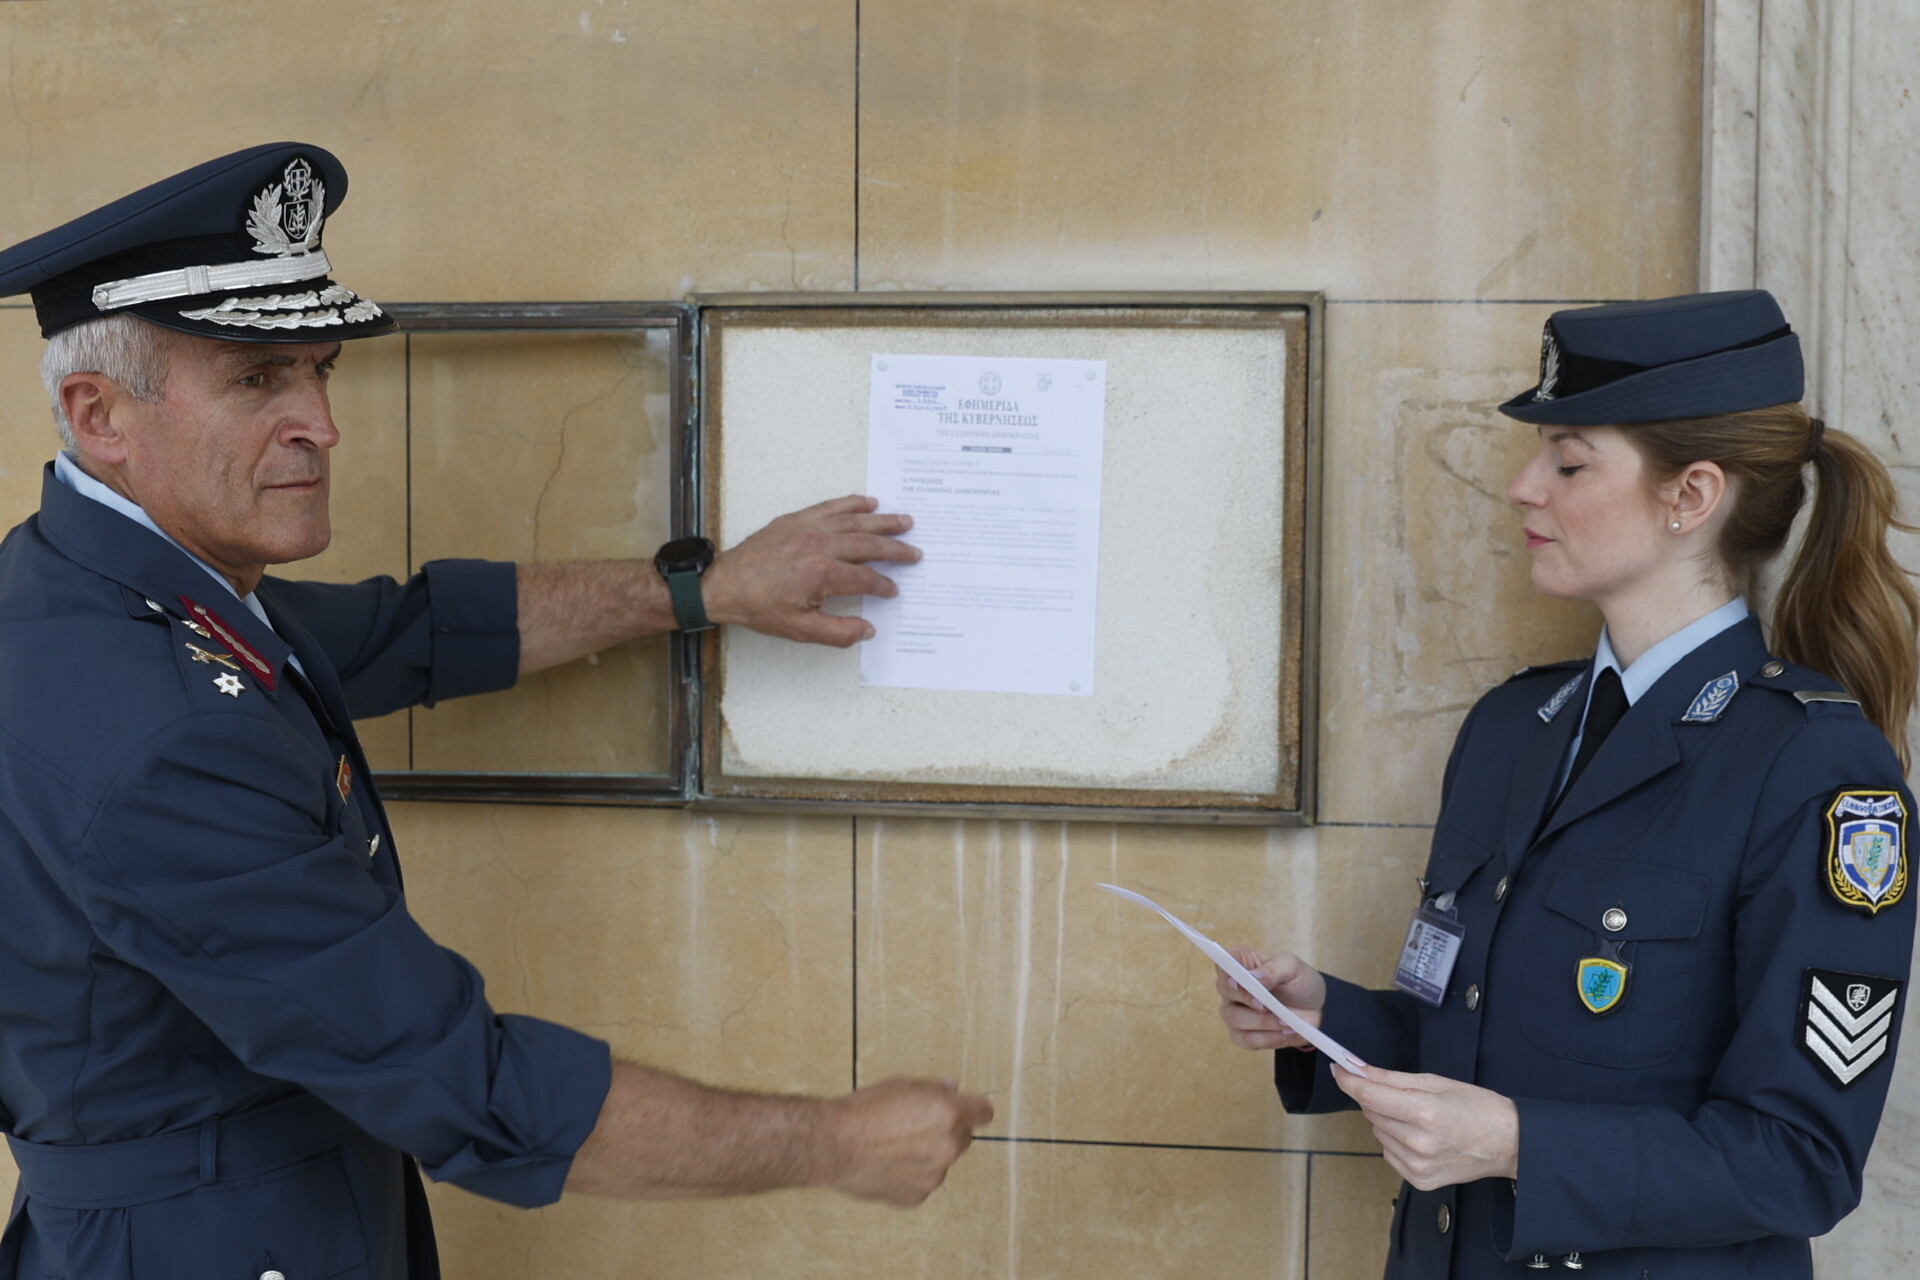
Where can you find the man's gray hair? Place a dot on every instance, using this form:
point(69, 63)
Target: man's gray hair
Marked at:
point(124, 347)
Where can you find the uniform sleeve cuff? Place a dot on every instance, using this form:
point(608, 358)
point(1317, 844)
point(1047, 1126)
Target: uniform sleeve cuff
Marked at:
point(476, 633)
point(1362, 1020)
point(552, 1077)
point(1549, 1192)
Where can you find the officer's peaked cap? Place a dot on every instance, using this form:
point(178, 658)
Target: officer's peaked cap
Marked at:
point(230, 249)
point(1685, 357)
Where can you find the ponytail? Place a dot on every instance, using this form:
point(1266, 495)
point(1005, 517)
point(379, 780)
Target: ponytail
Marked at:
point(1847, 608)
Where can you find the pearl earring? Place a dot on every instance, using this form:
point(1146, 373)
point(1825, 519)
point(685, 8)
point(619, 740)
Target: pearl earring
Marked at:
point(1676, 524)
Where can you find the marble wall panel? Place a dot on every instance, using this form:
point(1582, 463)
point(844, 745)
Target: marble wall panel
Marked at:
point(531, 447)
point(1822, 158)
point(1425, 599)
point(715, 947)
point(1373, 149)
point(499, 149)
point(1350, 1216)
point(28, 441)
point(988, 955)
point(1058, 1212)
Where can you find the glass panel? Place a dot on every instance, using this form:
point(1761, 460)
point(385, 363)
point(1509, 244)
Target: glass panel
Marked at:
point(547, 445)
point(369, 491)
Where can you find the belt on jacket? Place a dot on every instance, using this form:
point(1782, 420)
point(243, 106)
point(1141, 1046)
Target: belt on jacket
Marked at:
point(116, 1175)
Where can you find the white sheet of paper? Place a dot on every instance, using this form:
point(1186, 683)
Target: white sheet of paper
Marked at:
point(998, 462)
point(1252, 985)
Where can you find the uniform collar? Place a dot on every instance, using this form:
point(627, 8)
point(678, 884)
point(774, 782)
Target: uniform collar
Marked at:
point(144, 560)
point(1644, 745)
point(68, 472)
point(1661, 657)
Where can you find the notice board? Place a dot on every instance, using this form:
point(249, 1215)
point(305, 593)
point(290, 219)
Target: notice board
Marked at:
point(1203, 702)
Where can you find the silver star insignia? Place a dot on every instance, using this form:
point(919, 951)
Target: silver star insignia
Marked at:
point(229, 685)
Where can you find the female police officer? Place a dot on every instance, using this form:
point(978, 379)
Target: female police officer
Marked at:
point(1645, 1018)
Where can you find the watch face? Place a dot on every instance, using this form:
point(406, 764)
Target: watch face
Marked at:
point(683, 554)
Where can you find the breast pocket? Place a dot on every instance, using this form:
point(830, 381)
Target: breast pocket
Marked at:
point(1654, 914)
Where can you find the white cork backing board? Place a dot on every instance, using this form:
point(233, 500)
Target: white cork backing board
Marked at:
point(1189, 628)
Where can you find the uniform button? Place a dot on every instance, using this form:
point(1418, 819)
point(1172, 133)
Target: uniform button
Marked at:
point(1473, 997)
point(1613, 920)
point(1444, 1218)
point(1772, 669)
point(271, 1275)
point(1500, 890)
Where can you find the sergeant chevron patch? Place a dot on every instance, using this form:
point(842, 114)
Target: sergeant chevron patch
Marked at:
point(1846, 1022)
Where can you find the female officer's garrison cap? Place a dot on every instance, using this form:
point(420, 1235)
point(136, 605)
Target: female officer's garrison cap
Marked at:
point(230, 249)
point(1685, 357)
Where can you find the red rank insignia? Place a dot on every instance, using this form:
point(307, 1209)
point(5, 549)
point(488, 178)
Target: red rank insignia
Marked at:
point(262, 670)
point(343, 779)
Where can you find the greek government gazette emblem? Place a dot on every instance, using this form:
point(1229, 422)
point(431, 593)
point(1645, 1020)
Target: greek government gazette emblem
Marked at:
point(1866, 863)
point(1846, 1022)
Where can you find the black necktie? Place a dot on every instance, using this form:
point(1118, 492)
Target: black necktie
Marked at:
point(1608, 704)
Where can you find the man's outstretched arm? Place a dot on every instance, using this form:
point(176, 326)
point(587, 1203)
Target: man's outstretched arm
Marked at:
point(774, 581)
point(662, 1136)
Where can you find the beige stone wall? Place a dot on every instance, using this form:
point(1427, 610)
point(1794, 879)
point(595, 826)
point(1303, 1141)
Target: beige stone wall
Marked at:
point(1446, 172)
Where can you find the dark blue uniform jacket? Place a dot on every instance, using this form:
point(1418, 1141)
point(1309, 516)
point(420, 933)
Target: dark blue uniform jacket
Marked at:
point(219, 1025)
point(1688, 1131)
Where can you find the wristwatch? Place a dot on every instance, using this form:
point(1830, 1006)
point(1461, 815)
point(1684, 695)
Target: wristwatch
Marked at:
point(681, 562)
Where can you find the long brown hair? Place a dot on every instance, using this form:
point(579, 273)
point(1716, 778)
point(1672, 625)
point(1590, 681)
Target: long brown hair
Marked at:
point(1847, 608)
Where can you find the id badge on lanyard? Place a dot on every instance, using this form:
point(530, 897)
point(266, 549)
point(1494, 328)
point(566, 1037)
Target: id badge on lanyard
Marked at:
point(1433, 943)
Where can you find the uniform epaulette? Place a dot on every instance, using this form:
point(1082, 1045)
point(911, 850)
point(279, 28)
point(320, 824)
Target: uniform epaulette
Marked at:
point(1569, 665)
point(1802, 685)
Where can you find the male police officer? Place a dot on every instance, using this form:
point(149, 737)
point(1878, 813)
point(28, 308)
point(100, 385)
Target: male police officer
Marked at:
point(219, 1026)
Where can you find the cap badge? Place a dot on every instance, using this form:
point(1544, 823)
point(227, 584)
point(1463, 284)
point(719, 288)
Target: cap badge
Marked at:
point(286, 215)
point(1549, 365)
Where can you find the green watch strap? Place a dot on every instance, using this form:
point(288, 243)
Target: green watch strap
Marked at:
point(688, 609)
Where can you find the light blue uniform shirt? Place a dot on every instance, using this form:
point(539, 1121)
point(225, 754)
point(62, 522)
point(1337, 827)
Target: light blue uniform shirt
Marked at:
point(1651, 665)
point(68, 472)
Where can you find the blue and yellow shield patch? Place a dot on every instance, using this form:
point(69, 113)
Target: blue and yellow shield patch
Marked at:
point(1601, 983)
point(1866, 849)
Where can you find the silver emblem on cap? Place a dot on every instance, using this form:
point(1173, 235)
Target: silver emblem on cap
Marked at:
point(286, 216)
point(1549, 365)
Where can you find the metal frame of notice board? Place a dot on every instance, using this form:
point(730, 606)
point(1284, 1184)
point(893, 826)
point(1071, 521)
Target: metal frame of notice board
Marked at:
point(696, 776)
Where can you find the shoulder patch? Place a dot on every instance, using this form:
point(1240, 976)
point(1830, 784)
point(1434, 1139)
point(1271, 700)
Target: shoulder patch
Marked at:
point(1866, 858)
point(1846, 1022)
